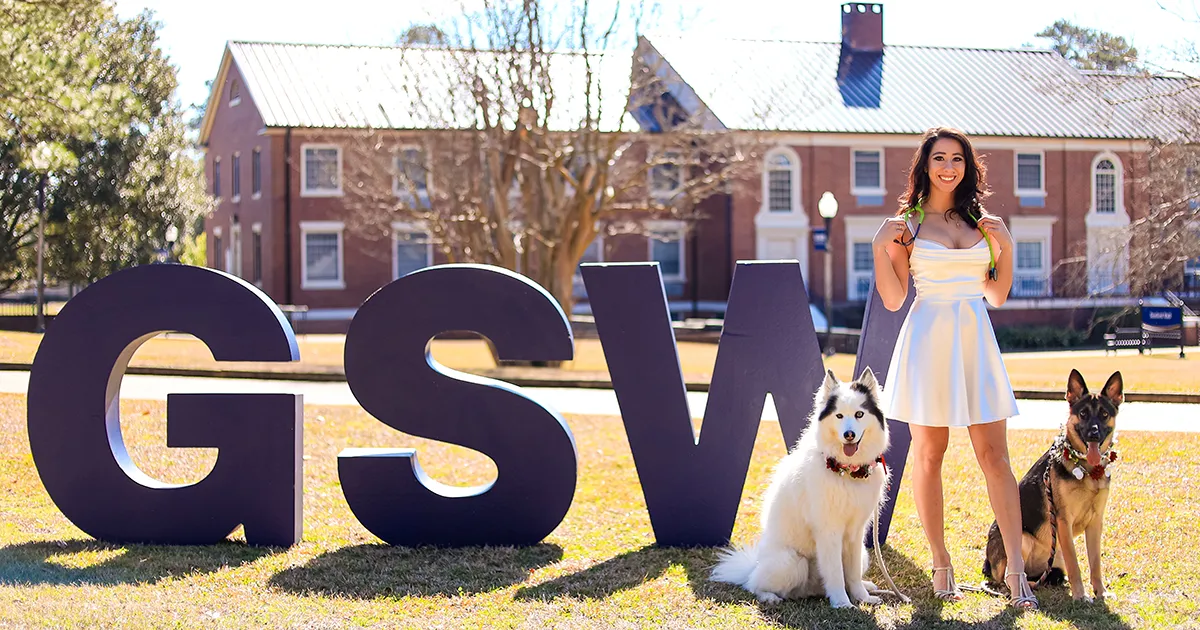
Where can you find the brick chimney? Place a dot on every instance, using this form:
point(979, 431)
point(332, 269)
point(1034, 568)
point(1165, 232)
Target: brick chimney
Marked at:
point(862, 27)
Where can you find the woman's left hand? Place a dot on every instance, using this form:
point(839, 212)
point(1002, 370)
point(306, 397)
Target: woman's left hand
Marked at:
point(995, 228)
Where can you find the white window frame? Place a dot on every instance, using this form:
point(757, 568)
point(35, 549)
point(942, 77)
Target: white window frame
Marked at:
point(320, 192)
point(322, 227)
point(397, 189)
point(216, 179)
point(235, 99)
point(409, 227)
point(218, 255)
point(859, 229)
point(680, 228)
point(1118, 188)
point(860, 191)
point(1040, 191)
point(1034, 228)
point(679, 182)
point(796, 170)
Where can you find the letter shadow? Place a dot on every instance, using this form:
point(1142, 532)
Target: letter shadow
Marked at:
point(379, 570)
point(32, 563)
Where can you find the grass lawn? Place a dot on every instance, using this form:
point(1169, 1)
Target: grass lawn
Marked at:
point(1162, 371)
point(598, 569)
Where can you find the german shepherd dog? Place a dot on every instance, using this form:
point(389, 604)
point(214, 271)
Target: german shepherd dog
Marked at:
point(1078, 471)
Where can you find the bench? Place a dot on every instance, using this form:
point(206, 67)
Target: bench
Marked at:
point(1122, 337)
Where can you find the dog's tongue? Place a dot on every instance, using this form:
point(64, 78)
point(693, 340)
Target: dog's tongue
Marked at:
point(851, 449)
point(1093, 454)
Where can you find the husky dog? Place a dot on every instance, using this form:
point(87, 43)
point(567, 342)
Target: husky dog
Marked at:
point(821, 497)
point(1078, 471)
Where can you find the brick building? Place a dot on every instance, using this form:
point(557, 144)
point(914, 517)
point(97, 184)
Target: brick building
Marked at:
point(843, 117)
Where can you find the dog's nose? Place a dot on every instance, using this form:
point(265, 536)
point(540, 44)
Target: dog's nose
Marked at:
point(848, 436)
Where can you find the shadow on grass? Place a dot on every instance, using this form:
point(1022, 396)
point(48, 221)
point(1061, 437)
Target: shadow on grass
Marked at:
point(379, 570)
point(51, 562)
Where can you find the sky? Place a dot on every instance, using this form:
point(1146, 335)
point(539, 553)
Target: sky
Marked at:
point(194, 34)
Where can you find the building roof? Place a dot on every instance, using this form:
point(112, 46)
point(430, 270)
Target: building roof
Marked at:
point(795, 86)
point(1168, 106)
point(394, 87)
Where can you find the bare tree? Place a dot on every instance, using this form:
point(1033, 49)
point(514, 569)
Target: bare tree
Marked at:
point(527, 136)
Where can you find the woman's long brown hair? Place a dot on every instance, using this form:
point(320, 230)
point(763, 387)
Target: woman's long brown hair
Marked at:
point(970, 193)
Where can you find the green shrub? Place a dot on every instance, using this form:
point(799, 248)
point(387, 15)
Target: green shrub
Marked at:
point(1038, 337)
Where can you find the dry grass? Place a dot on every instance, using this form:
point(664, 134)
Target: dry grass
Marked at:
point(598, 569)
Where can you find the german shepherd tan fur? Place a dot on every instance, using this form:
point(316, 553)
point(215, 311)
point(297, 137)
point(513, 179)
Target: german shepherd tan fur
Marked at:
point(1079, 502)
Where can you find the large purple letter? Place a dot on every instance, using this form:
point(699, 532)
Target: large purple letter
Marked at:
point(693, 485)
point(393, 376)
point(75, 426)
point(880, 329)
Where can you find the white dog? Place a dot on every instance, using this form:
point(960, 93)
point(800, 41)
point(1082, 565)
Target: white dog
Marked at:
point(821, 498)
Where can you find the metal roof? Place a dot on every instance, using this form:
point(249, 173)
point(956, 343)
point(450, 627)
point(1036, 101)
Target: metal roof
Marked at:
point(1168, 106)
point(340, 87)
point(794, 86)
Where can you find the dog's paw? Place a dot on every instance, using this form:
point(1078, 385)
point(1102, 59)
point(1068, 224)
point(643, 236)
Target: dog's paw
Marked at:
point(869, 586)
point(769, 598)
point(841, 602)
point(869, 600)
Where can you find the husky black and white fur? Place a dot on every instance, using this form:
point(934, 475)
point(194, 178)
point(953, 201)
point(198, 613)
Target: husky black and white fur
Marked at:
point(816, 510)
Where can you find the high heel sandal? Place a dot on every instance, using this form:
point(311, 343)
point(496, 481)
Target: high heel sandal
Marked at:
point(1023, 598)
point(951, 593)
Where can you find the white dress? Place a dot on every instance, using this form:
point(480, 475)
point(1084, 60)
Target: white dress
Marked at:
point(946, 370)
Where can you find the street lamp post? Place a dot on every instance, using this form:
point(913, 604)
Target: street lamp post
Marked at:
point(172, 236)
point(828, 207)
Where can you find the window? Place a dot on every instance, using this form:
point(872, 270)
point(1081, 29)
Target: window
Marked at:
point(235, 93)
point(216, 182)
point(235, 240)
point(322, 172)
point(1029, 173)
point(867, 173)
point(236, 177)
point(863, 268)
point(218, 259)
point(1029, 274)
point(321, 249)
point(666, 245)
point(257, 252)
point(411, 173)
point(666, 175)
point(1105, 187)
point(781, 181)
point(412, 249)
point(256, 173)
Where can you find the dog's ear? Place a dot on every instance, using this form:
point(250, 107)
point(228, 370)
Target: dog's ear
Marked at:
point(1114, 389)
point(1076, 388)
point(830, 383)
point(867, 379)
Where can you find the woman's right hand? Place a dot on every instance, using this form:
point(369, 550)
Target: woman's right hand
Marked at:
point(892, 230)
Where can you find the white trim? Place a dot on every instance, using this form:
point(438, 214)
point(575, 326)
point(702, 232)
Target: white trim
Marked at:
point(256, 153)
point(234, 101)
point(859, 229)
point(256, 230)
point(783, 226)
point(855, 189)
point(322, 227)
point(680, 230)
point(235, 177)
point(408, 227)
point(215, 183)
point(320, 192)
point(651, 158)
point(403, 193)
point(1034, 228)
point(796, 171)
point(235, 241)
point(1119, 216)
point(216, 231)
point(912, 141)
point(1040, 191)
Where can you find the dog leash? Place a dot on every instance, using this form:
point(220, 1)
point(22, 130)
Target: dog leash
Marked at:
point(992, 273)
point(879, 554)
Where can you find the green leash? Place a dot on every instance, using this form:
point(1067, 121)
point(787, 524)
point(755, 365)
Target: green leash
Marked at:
point(992, 273)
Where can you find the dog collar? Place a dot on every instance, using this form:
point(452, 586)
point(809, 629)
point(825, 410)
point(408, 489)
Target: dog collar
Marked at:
point(1076, 462)
point(855, 471)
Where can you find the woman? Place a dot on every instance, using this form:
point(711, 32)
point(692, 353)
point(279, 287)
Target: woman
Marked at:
point(946, 369)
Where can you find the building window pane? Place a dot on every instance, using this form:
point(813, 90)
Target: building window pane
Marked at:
point(216, 184)
point(322, 256)
point(411, 171)
point(666, 178)
point(256, 172)
point(667, 249)
point(864, 259)
point(236, 176)
point(321, 169)
point(779, 186)
point(1029, 255)
point(1029, 171)
point(412, 252)
point(867, 170)
point(1106, 187)
point(257, 257)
